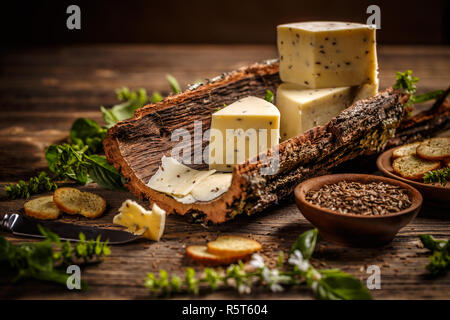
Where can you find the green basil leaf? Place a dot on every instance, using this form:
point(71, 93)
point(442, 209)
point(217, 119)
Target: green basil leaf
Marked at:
point(87, 132)
point(67, 162)
point(306, 243)
point(52, 155)
point(101, 172)
point(132, 102)
point(336, 284)
point(108, 117)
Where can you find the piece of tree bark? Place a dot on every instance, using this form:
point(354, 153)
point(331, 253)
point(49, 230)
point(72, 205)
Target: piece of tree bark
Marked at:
point(135, 146)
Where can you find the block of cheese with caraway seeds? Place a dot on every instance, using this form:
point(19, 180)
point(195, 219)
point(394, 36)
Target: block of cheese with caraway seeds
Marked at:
point(138, 220)
point(323, 54)
point(242, 130)
point(302, 109)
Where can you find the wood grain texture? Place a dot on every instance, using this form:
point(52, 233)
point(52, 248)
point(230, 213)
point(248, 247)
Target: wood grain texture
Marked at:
point(43, 90)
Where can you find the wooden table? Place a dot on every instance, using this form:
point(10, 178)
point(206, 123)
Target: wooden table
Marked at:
point(43, 90)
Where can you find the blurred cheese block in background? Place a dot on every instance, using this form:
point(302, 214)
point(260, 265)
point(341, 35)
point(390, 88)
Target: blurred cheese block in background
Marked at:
point(242, 130)
point(302, 109)
point(324, 54)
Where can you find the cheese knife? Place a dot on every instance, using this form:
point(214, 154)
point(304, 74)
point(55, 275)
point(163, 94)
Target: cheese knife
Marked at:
point(23, 226)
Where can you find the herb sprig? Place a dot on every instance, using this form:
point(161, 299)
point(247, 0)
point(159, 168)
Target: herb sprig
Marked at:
point(132, 100)
point(41, 183)
point(269, 96)
point(86, 132)
point(440, 259)
point(326, 284)
point(79, 160)
point(407, 82)
point(437, 176)
point(45, 260)
point(69, 162)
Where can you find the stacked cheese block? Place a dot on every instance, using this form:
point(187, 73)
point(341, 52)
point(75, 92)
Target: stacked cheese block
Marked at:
point(326, 66)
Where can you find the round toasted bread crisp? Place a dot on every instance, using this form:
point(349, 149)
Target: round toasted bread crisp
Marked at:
point(200, 254)
point(42, 208)
point(412, 167)
point(232, 245)
point(434, 149)
point(73, 201)
point(405, 150)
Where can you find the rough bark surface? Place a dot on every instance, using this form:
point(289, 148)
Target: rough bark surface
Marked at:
point(425, 124)
point(135, 146)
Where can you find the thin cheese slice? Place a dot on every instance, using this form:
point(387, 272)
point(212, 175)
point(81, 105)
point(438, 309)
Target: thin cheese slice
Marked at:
point(139, 221)
point(212, 187)
point(185, 199)
point(208, 189)
point(175, 178)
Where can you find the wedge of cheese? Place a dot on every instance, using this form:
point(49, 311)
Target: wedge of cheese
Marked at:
point(175, 178)
point(302, 109)
point(242, 130)
point(212, 186)
point(139, 221)
point(324, 54)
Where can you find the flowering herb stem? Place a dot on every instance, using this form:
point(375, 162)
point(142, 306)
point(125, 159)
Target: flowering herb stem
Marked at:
point(326, 284)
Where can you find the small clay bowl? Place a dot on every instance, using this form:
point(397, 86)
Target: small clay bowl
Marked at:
point(434, 194)
point(351, 229)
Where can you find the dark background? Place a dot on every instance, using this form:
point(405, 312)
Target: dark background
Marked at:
point(211, 21)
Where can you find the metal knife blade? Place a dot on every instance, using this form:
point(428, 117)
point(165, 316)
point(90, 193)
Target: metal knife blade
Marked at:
point(24, 226)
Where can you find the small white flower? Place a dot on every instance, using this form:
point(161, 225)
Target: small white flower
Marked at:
point(266, 274)
point(243, 288)
point(257, 261)
point(297, 259)
point(231, 282)
point(314, 286)
point(273, 279)
point(316, 275)
point(275, 287)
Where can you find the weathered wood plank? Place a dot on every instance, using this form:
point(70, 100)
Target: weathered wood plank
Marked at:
point(402, 262)
point(43, 90)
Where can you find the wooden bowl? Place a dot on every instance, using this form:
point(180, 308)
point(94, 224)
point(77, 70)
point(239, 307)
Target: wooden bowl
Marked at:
point(434, 194)
point(351, 229)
